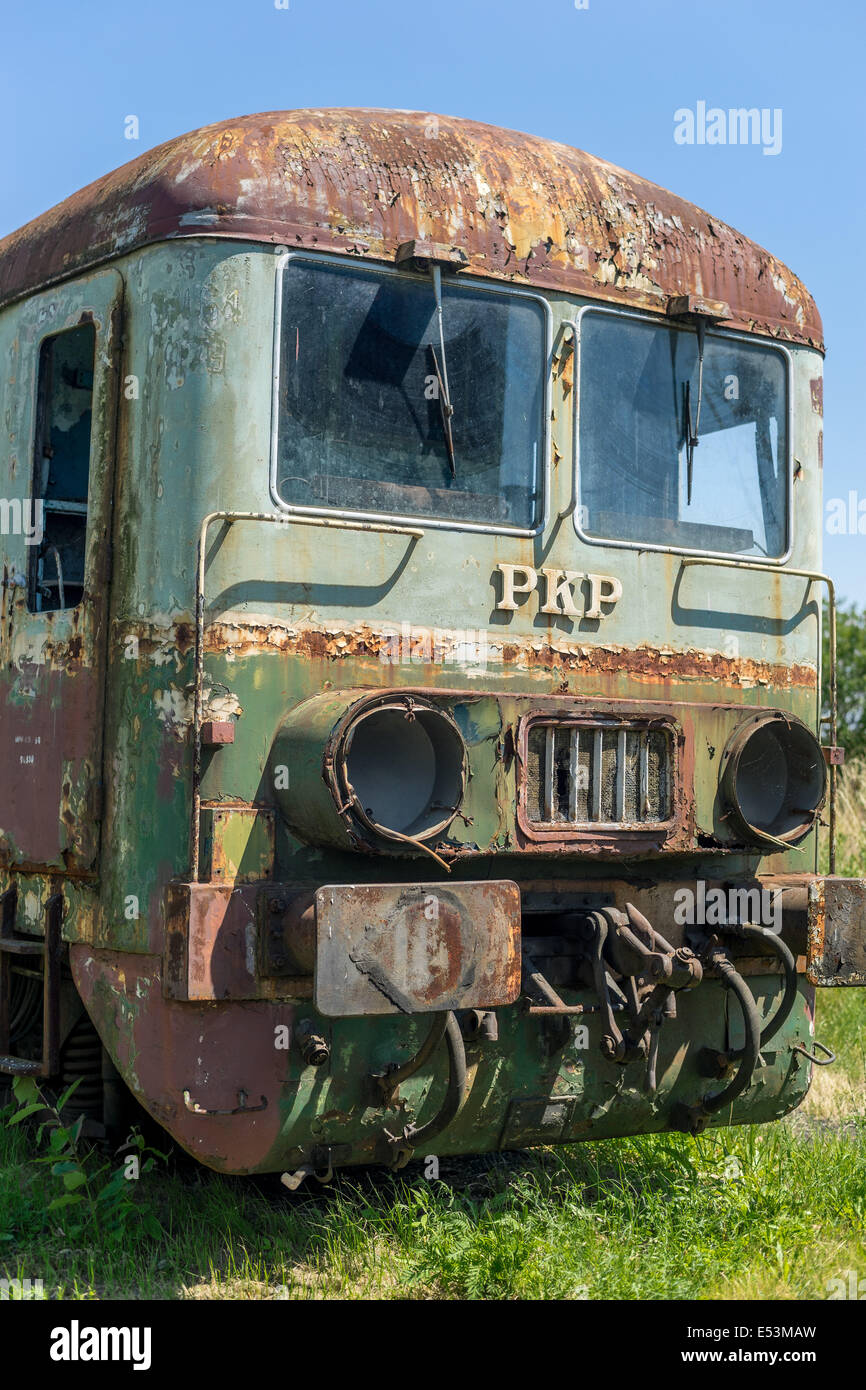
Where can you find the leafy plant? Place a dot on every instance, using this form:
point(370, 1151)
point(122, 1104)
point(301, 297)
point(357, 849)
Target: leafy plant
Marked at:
point(93, 1193)
point(850, 677)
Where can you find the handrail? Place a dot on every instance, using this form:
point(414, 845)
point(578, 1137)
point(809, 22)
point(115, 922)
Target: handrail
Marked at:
point(283, 519)
point(765, 567)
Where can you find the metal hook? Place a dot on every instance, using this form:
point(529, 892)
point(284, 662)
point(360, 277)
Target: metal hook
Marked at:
point(241, 1109)
point(825, 1061)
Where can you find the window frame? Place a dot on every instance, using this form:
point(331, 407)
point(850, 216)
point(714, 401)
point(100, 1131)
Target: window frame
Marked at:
point(659, 321)
point(380, 269)
point(39, 405)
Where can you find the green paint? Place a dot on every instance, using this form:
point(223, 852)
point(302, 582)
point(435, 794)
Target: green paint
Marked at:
point(195, 437)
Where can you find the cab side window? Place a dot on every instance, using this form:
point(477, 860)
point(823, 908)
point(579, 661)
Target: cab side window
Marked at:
point(61, 469)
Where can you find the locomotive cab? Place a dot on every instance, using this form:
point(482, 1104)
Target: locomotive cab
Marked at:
point(412, 736)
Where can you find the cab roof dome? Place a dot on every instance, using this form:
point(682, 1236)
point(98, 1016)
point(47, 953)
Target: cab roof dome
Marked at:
point(362, 182)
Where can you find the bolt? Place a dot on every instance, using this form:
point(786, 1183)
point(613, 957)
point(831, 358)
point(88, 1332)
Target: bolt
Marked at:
point(313, 1047)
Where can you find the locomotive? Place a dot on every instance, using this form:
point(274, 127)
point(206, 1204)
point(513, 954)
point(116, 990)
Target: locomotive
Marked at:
point(410, 651)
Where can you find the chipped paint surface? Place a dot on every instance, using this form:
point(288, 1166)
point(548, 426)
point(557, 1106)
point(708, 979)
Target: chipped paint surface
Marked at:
point(550, 654)
point(363, 182)
point(836, 941)
point(52, 664)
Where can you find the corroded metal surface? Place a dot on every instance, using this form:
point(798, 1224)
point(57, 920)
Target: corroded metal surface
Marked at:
point(548, 653)
point(166, 1049)
point(837, 931)
point(237, 843)
point(189, 1063)
point(364, 182)
point(52, 664)
point(421, 948)
point(212, 945)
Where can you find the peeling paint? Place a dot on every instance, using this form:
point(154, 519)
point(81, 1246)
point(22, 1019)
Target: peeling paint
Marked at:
point(521, 208)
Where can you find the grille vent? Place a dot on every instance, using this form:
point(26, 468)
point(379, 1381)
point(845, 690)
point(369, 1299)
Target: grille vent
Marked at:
point(603, 775)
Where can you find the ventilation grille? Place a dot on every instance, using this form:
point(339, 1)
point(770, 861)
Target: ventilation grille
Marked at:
point(615, 775)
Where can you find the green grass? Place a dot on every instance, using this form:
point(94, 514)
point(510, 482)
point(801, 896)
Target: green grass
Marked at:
point(772, 1212)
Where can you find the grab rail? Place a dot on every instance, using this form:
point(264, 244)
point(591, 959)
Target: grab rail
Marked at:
point(283, 519)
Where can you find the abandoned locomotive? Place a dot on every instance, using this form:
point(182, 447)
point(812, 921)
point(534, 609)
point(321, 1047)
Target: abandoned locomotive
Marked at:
point(411, 598)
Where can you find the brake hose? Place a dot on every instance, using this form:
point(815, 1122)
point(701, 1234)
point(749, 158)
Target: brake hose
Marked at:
point(389, 1081)
point(733, 980)
point(455, 1096)
point(691, 1118)
point(790, 968)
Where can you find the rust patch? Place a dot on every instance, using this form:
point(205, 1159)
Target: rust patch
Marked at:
point(364, 182)
point(816, 390)
point(211, 947)
point(164, 1048)
point(836, 943)
point(422, 948)
point(563, 367)
point(652, 665)
point(816, 921)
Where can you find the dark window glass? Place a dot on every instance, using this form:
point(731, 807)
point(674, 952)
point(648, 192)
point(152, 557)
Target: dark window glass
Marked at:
point(61, 468)
point(360, 412)
point(634, 474)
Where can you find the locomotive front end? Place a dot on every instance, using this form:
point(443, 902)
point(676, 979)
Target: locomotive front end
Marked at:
point(465, 752)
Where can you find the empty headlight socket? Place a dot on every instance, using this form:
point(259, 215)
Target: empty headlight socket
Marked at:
point(773, 779)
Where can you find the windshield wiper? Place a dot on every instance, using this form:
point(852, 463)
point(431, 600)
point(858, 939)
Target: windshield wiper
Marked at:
point(445, 405)
point(692, 440)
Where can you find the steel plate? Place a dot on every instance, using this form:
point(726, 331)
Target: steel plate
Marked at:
point(419, 948)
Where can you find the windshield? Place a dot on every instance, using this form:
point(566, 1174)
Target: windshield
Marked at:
point(364, 421)
point(639, 391)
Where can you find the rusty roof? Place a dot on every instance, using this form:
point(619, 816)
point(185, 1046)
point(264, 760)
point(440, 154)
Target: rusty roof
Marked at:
point(363, 181)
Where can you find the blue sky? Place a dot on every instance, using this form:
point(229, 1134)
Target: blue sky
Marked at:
point(607, 78)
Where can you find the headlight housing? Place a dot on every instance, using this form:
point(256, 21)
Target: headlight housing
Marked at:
point(774, 779)
point(369, 771)
point(401, 765)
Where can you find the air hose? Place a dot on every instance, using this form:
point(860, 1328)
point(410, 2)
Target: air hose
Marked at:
point(790, 968)
point(389, 1081)
point(691, 1119)
point(413, 1138)
point(733, 980)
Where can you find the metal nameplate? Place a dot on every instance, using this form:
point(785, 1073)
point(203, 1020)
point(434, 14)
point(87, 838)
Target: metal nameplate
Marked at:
point(416, 948)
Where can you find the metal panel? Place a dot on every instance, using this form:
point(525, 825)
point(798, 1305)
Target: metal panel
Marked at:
point(238, 844)
point(421, 948)
point(53, 662)
point(837, 931)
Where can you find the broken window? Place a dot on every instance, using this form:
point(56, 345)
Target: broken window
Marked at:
point(61, 468)
point(363, 367)
point(643, 478)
